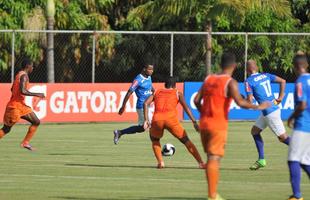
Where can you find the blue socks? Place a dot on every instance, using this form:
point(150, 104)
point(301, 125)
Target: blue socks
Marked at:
point(307, 169)
point(287, 140)
point(132, 130)
point(295, 176)
point(259, 145)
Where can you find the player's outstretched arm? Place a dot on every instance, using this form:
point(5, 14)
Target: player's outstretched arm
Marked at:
point(23, 89)
point(233, 92)
point(197, 99)
point(122, 108)
point(146, 105)
point(299, 108)
point(188, 111)
point(282, 83)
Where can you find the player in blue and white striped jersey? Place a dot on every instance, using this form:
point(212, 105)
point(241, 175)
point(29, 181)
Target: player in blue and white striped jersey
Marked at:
point(142, 86)
point(299, 148)
point(258, 86)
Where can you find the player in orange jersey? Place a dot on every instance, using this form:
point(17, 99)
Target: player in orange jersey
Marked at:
point(213, 102)
point(166, 117)
point(16, 107)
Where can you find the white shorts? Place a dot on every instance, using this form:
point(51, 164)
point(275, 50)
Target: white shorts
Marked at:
point(299, 149)
point(140, 113)
point(273, 120)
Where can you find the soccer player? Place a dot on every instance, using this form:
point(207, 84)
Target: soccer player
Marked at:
point(166, 117)
point(142, 86)
point(258, 86)
point(16, 107)
point(299, 148)
point(213, 102)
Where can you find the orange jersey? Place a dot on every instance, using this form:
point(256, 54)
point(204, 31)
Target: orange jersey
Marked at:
point(165, 101)
point(16, 93)
point(215, 106)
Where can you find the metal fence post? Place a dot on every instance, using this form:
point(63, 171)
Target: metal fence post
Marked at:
point(245, 55)
point(13, 56)
point(93, 58)
point(171, 54)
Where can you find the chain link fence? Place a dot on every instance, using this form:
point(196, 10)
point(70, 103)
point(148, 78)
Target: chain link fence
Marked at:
point(89, 56)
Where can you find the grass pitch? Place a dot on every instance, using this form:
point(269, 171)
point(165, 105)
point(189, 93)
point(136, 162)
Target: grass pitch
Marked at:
point(80, 162)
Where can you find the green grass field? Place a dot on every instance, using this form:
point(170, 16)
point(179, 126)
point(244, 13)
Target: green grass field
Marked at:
point(80, 161)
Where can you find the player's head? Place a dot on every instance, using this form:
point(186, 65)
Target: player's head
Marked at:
point(148, 69)
point(27, 64)
point(170, 82)
point(251, 67)
point(300, 63)
point(228, 61)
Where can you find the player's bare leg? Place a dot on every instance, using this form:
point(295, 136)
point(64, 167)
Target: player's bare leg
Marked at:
point(157, 152)
point(193, 150)
point(35, 122)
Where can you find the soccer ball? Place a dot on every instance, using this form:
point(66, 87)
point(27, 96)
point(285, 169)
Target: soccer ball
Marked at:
point(168, 150)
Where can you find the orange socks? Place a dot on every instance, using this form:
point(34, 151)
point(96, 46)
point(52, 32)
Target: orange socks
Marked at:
point(1, 133)
point(212, 174)
point(193, 150)
point(31, 131)
point(157, 151)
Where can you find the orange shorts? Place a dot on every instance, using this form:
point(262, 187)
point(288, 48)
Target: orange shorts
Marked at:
point(172, 125)
point(14, 111)
point(214, 141)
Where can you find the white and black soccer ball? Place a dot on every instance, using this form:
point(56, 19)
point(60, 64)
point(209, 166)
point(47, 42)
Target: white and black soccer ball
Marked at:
point(168, 150)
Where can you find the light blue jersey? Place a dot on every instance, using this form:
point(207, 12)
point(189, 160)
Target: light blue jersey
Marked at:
point(302, 94)
point(143, 88)
point(259, 85)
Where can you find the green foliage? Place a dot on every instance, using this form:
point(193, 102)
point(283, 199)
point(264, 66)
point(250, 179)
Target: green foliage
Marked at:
point(182, 15)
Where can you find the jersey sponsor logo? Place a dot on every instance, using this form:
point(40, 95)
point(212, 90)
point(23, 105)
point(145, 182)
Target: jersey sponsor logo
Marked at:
point(260, 77)
point(149, 92)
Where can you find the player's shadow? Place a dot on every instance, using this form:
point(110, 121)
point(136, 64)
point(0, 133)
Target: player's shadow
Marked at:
point(125, 166)
point(150, 198)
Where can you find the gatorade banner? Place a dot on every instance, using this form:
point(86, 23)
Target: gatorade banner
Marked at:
point(80, 102)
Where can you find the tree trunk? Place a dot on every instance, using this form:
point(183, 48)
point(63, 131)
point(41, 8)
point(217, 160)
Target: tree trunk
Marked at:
point(50, 41)
point(208, 47)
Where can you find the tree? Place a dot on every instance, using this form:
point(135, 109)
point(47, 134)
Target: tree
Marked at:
point(155, 14)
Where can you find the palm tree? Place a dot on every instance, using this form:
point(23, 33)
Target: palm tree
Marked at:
point(50, 11)
point(156, 13)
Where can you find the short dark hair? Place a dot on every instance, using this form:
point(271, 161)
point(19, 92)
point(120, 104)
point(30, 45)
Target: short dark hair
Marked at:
point(25, 62)
point(227, 59)
point(147, 65)
point(300, 58)
point(170, 82)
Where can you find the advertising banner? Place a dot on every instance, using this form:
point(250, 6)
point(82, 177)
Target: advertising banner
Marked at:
point(80, 102)
point(237, 113)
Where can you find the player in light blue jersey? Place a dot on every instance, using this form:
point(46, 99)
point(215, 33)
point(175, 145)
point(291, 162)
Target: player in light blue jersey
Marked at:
point(142, 86)
point(258, 86)
point(299, 149)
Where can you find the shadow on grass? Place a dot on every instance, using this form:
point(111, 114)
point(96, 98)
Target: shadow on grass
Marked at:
point(126, 166)
point(72, 154)
point(150, 198)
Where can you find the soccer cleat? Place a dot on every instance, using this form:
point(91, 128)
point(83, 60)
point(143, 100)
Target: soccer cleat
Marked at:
point(295, 198)
point(117, 135)
point(160, 165)
point(26, 145)
point(218, 197)
point(258, 164)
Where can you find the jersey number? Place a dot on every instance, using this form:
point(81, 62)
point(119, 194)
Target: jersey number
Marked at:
point(267, 87)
